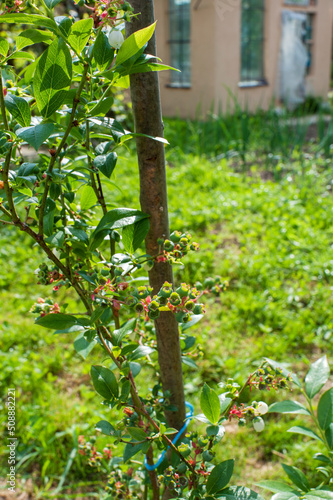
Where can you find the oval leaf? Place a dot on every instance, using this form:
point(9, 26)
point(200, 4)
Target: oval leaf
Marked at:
point(305, 431)
point(106, 163)
point(220, 477)
point(102, 51)
point(19, 109)
point(210, 404)
point(29, 37)
point(104, 381)
point(88, 198)
point(134, 235)
point(317, 377)
point(80, 33)
point(52, 78)
point(134, 43)
point(105, 427)
point(289, 407)
point(57, 321)
point(297, 477)
point(325, 409)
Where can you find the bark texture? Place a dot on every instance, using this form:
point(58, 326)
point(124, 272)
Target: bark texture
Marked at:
point(153, 198)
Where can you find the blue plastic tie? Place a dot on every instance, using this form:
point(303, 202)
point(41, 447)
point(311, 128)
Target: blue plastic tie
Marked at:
point(189, 414)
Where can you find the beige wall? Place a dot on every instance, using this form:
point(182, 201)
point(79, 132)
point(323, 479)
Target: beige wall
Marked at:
point(215, 54)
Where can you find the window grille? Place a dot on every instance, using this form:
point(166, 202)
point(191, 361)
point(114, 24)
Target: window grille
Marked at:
point(252, 42)
point(180, 48)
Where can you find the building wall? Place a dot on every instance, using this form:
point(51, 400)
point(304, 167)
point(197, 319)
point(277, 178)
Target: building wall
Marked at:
point(215, 57)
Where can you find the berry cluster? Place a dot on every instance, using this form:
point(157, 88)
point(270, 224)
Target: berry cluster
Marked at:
point(253, 411)
point(47, 276)
point(176, 247)
point(269, 378)
point(89, 450)
point(110, 12)
point(43, 307)
point(182, 302)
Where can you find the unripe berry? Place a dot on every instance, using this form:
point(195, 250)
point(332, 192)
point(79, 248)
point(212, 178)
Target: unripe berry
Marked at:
point(182, 468)
point(241, 422)
point(262, 408)
point(189, 305)
point(183, 290)
point(174, 299)
point(153, 314)
point(162, 301)
point(208, 456)
point(131, 301)
point(166, 290)
point(148, 265)
point(198, 309)
point(258, 424)
point(175, 236)
point(154, 305)
point(142, 292)
point(194, 293)
point(209, 282)
point(168, 245)
point(186, 318)
point(139, 308)
point(183, 242)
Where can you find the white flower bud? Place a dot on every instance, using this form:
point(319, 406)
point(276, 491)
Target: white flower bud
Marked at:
point(262, 408)
point(116, 39)
point(258, 424)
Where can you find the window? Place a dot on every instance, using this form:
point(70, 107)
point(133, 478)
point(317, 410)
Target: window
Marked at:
point(180, 50)
point(307, 39)
point(252, 43)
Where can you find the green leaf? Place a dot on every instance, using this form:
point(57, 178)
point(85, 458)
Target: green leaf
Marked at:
point(104, 381)
point(115, 219)
point(52, 77)
point(325, 409)
point(29, 37)
point(131, 449)
point(140, 352)
point(189, 362)
point(4, 46)
point(149, 67)
point(102, 51)
point(83, 346)
point(289, 407)
point(19, 109)
point(78, 233)
point(137, 433)
point(105, 427)
point(134, 43)
point(220, 476)
point(57, 321)
point(37, 135)
point(56, 240)
point(276, 486)
point(134, 235)
point(80, 33)
point(19, 18)
point(329, 436)
point(48, 219)
point(88, 198)
point(101, 107)
point(50, 4)
point(317, 377)
point(28, 171)
point(22, 55)
point(305, 431)
point(64, 24)
point(239, 493)
point(106, 163)
point(315, 494)
point(297, 477)
point(286, 495)
point(126, 329)
point(210, 404)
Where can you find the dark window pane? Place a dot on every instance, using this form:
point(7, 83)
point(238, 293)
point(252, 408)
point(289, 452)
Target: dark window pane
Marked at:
point(180, 53)
point(252, 40)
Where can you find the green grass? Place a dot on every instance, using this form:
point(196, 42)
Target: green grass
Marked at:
point(272, 239)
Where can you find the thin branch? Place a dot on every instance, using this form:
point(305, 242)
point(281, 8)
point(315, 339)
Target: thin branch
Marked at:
point(58, 151)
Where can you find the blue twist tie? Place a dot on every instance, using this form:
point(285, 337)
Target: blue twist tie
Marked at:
point(189, 414)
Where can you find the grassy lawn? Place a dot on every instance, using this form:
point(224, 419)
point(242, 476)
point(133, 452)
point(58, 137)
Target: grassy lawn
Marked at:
point(269, 232)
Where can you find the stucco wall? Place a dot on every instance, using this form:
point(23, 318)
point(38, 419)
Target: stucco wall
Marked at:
point(215, 56)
